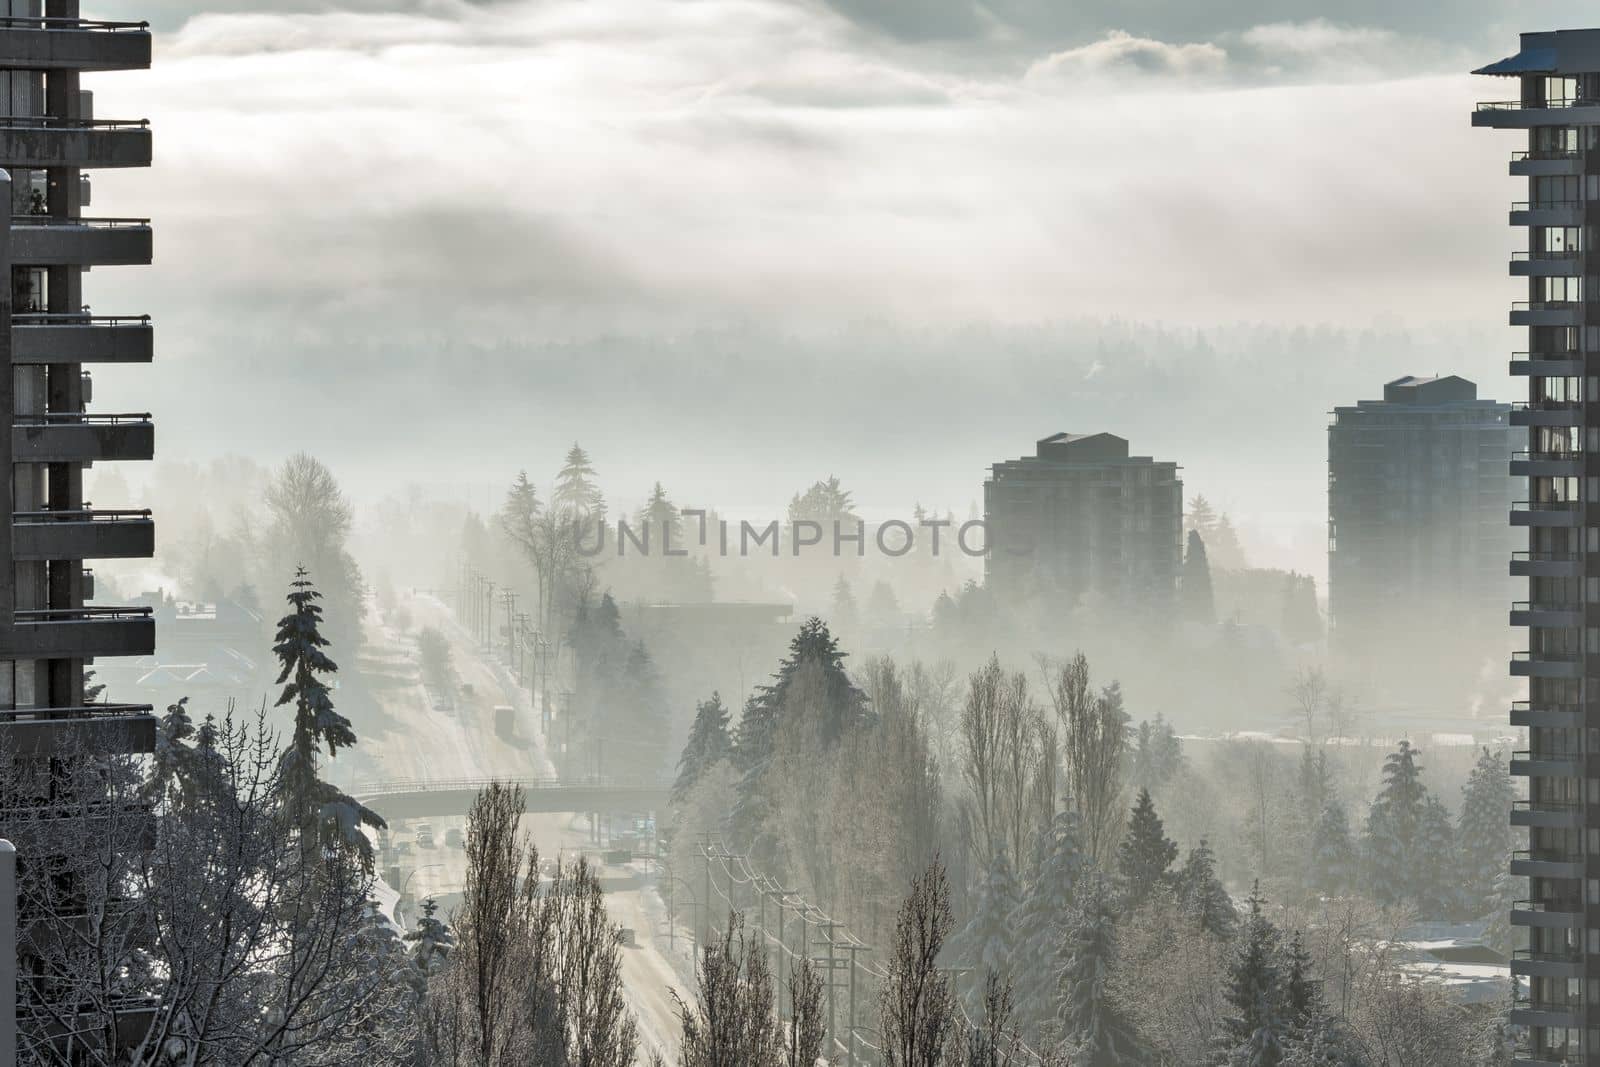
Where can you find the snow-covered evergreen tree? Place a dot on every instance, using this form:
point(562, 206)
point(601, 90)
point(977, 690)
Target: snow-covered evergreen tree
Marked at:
point(1394, 828)
point(1484, 837)
point(1157, 754)
point(321, 813)
point(1059, 865)
point(844, 613)
point(1257, 1024)
point(1332, 863)
point(1438, 892)
point(1093, 1028)
point(987, 941)
point(1146, 854)
point(709, 743)
point(431, 942)
point(1202, 895)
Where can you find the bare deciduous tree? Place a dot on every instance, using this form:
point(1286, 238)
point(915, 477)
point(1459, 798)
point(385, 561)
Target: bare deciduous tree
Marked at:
point(1094, 739)
point(917, 1008)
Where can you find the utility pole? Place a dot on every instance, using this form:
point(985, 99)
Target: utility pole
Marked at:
point(826, 929)
point(853, 947)
point(510, 598)
point(488, 613)
point(8, 953)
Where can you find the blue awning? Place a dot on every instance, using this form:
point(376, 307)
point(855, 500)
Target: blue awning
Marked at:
point(1528, 61)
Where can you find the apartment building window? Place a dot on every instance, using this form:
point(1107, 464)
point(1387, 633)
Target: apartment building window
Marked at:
point(1557, 189)
point(1561, 238)
point(1555, 140)
point(1560, 90)
point(1561, 290)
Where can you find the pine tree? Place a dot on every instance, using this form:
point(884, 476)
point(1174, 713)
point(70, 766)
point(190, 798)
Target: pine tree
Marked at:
point(844, 706)
point(1195, 598)
point(1301, 992)
point(1202, 894)
point(577, 495)
point(1393, 837)
point(1438, 892)
point(1092, 1026)
point(709, 742)
point(1483, 836)
point(1146, 854)
point(843, 612)
point(1157, 754)
point(661, 520)
point(321, 813)
point(1332, 863)
point(987, 943)
point(1255, 1029)
point(431, 942)
point(1060, 864)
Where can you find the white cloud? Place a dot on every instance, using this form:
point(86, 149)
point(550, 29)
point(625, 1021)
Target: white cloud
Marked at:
point(1120, 53)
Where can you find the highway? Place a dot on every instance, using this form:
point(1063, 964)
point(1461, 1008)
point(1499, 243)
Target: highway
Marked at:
point(461, 743)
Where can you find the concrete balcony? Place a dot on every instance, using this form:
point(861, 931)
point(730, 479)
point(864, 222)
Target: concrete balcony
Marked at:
point(1515, 115)
point(1546, 163)
point(1546, 665)
point(73, 44)
point(1546, 565)
point(41, 241)
point(68, 438)
point(1546, 964)
point(1527, 764)
point(1546, 513)
point(1558, 1015)
point(1526, 713)
point(126, 728)
point(1547, 413)
point(32, 141)
point(79, 633)
point(1547, 312)
point(1523, 1056)
point(1535, 365)
point(1547, 213)
point(1545, 615)
point(1568, 264)
point(1549, 914)
point(1547, 464)
point(1547, 814)
point(83, 535)
point(46, 338)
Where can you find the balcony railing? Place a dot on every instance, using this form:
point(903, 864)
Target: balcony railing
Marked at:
point(1547, 807)
point(1546, 706)
point(1545, 605)
point(72, 318)
point(27, 22)
point(88, 222)
point(84, 614)
point(1546, 205)
point(1565, 253)
point(83, 515)
point(1546, 505)
point(87, 711)
point(1545, 154)
point(1539, 357)
point(1545, 754)
point(76, 418)
point(1546, 557)
point(1546, 305)
point(1518, 105)
point(51, 122)
point(1569, 906)
point(1557, 956)
point(1546, 457)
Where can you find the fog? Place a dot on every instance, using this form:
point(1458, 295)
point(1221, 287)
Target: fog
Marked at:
point(439, 284)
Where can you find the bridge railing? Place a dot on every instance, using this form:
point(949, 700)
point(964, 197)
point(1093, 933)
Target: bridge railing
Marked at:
point(392, 786)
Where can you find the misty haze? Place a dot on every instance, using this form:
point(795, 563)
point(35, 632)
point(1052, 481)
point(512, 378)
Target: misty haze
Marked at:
point(767, 533)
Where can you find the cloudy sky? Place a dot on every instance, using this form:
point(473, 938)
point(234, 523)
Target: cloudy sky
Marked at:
point(415, 177)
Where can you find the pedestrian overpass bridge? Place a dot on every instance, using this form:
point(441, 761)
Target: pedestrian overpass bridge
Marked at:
point(421, 798)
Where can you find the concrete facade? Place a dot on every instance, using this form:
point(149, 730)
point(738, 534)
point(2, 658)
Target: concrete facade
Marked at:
point(1418, 493)
point(1554, 82)
point(1080, 518)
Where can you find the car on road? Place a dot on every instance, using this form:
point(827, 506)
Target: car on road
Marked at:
point(424, 835)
